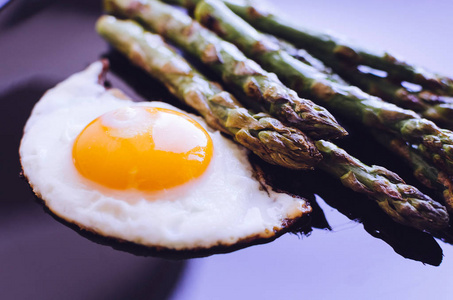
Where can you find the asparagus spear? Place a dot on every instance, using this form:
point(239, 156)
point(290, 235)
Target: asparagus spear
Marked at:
point(405, 204)
point(264, 89)
point(429, 105)
point(438, 108)
point(262, 134)
point(262, 18)
point(347, 101)
point(423, 171)
point(303, 56)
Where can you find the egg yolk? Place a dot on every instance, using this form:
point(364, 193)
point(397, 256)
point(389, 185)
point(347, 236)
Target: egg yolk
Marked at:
point(144, 148)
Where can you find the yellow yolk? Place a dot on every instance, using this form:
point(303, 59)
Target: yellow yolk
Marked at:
point(144, 148)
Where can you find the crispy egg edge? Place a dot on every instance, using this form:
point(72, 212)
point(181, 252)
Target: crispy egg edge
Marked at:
point(293, 222)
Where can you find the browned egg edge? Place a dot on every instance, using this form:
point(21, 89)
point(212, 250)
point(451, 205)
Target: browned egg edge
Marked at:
point(296, 224)
point(288, 225)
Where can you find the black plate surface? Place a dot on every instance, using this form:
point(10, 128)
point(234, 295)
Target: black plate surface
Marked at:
point(363, 256)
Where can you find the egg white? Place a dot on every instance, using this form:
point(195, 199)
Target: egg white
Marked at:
point(226, 205)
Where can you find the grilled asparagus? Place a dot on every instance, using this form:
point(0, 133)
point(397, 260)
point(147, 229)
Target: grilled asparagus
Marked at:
point(262, 134)
point(262, 18)
point(264, 89)
point(349, 102)
point(404, 203)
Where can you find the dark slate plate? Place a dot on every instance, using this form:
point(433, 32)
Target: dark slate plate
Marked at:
point(351, 251)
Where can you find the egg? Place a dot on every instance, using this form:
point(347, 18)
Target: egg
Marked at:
point(145, 172)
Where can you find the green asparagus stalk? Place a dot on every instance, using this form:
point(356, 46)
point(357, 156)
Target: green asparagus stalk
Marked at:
point(405, 204)
point(304, 56)
point(262, 18)
point(427, 174)
point(347, 101)
point(262, 134)
point(264, 89)
point(436, 108)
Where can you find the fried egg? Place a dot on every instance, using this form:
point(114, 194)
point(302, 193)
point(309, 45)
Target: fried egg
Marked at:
point(145, 172)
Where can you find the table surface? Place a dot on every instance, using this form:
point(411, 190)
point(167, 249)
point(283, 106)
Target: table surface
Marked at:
point(363, 256)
